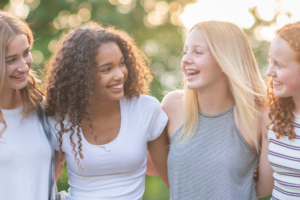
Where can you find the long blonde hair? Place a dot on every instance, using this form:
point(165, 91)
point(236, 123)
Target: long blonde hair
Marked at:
point(10, 26)
point(231, 50)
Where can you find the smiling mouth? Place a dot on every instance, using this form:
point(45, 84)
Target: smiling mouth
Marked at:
point(116, 86)
point(21, 76)
point(192, 72)
point(277, 83)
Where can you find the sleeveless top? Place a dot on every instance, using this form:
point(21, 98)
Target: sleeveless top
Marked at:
point(216, 163)
point(284, 157)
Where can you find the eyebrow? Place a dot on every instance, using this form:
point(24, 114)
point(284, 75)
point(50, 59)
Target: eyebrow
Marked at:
point(197, 46)
point(106, 64)
point(27, 49)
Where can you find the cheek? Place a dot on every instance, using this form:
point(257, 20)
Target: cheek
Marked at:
point(125, 72)
point(29, 60)
point(293, 82)
point(9, 70)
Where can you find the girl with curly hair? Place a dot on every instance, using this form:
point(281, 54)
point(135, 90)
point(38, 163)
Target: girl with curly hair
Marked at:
point(214, 123)
point(25, 151)
point(280, 154)
point(101, 116)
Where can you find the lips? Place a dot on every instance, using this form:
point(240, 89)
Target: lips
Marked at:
point(277, 83)
point(192, 72)
point(18, 77)
point(116, 86)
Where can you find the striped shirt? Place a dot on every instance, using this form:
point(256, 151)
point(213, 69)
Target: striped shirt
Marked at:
point(284, 157)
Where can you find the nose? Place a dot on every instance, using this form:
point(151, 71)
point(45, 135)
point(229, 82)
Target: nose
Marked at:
point(118, 75)
point(270, 71)
point(186, 59)
point(23, 67)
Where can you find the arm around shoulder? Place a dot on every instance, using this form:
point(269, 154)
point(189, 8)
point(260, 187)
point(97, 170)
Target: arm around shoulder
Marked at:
point(265, 181)
point(158, 150)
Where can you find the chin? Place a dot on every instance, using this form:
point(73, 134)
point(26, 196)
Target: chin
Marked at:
point(115, 97)
point(281, 94)
point(192, 86)
point(17, 87)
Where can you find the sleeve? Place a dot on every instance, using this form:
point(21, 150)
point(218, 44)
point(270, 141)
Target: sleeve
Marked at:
point(52, 123)
point(154, 117)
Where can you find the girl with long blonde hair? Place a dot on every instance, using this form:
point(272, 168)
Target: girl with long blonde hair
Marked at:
point(279, 166)
point(214, 124)
point(25, 151)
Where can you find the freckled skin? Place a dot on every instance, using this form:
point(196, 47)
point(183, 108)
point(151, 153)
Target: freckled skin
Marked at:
point(284, 67)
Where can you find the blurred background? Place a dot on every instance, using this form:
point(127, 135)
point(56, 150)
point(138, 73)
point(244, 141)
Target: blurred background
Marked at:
point(159, 27)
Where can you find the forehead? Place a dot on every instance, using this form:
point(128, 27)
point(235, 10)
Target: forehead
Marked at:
point(196, 38)
point(280, 50)
point(17, 44)
point(108, 51)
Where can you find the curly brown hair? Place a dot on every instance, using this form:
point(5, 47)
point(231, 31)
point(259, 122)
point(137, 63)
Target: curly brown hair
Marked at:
point(10, 26)
point(282, 109)
point(69, 77)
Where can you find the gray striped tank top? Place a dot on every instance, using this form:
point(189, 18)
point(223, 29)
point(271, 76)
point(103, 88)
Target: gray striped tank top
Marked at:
point(217, 163)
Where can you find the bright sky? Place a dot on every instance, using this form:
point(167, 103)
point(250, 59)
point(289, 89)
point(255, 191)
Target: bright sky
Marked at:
point(237, 11)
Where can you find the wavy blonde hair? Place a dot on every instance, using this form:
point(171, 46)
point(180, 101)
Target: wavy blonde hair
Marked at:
point(231, 50)
point(281, 109)
point(10, 26)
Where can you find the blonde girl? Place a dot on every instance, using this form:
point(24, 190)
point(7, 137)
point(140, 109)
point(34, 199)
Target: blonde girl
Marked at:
point(25, 151)
point(214, 123)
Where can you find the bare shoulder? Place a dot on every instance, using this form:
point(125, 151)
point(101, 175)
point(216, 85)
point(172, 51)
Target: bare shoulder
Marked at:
point(173, 100)
point(172, 104)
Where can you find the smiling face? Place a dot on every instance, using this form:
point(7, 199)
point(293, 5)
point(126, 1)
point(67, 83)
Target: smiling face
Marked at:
point(112, 72)
point(284, 69)
point(199, 66)
point(18, 60)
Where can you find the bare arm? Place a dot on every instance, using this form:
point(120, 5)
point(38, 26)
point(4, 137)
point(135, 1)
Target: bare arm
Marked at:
point(57, 165)
point(151, 170)
point(158, 150)
point(265, 181)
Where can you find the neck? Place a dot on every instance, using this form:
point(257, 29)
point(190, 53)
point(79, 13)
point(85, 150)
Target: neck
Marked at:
point(104, 108)
point(10, 99)
point(296, 100)
point(215, 100)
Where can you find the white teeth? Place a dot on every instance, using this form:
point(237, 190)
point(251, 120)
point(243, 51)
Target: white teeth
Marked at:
point(191, 71)
point(117, 86)
point(277, 83)
point(18, 76)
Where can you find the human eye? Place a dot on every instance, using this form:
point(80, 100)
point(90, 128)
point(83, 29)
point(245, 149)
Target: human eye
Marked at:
point(122, 63)
point(106, 69)
point(198, 52)
point(184, 52)
point(10, 61)
point(26, 53)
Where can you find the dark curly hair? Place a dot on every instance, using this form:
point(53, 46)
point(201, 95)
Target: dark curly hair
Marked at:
point(281, 109)
point(69, 77)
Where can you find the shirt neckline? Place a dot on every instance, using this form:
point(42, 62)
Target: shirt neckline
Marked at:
point(13, 111)
point(108, 146)
point(218, 114)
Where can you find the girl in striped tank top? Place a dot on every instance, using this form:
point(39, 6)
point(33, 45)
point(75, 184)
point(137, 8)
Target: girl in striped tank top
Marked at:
point(280, 155)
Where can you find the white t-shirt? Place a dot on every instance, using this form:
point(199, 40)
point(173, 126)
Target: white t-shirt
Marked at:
point(25, 157)
point(115, 170)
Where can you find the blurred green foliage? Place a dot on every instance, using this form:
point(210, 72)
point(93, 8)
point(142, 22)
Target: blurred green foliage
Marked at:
point(156, 30)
